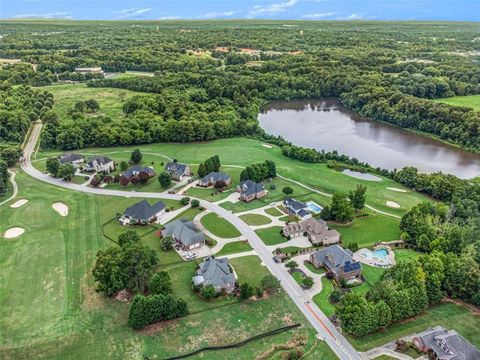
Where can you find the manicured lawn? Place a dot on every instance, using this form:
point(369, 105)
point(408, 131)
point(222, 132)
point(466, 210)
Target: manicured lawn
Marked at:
point(372, 275)
point(212, 194)
point(449, 315)
point(321, 299)
point(249, 269)
point(369, 230)
point(189, 213)
point(313, 269)
point(78, 179)
point(406, 254)
point(234, 247)
point(472, 101)
point(255, 219)
point(49, 309)
point(384, 357)
point(271, 235)
point(219, 226)
point(297, 276)
point(273, 211)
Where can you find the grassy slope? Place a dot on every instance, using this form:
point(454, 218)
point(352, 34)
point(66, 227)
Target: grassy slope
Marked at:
point(472, 101)
point(48, 308)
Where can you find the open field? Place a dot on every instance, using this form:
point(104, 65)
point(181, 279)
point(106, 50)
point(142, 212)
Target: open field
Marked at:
point(472, 101)
point(255, 219)
point(249, 269)
point(271, 235)
point(49, 309)
point(219, 226)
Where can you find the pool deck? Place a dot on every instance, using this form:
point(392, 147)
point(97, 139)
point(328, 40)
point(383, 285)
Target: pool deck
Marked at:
point(389, 261)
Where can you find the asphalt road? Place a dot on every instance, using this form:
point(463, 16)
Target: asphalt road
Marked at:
point(326, 330)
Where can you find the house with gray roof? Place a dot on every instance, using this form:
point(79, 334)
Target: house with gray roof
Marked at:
point(135, 170)
point(100, 164)
point(316, 230)
point(214, 177)
point(71, 158)
point(215, 272)
point(338, 261)
point(185, 234)
point(445, 344)
point(296, 208)
point(142, 213)
point(250, 190)
point(177, 170)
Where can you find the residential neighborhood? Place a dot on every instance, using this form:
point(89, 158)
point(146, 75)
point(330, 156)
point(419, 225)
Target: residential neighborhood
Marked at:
point(215, 177)
point(100, 164)
point(185, 234)
point(250, 190)
point(178, 171)
point(215, 272)
point(142, 213)
point(338, 261)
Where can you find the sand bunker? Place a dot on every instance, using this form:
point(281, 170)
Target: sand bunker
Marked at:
point(60, 208)
point(267, 146)
point(397, 189)
point(13, 232)
point(393, 204)
point(19, 203)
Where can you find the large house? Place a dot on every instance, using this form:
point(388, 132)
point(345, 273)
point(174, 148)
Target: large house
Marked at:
point(214, 177)
point(338, 261)
point(100, 164)
point(177, 170)
point(317, 231)
point(445, 344)
point(142, 213)
point(185, 234)
point(135, 170)
point(71, 158)
point(250, 190)
point(215, 272)
point(296, 208)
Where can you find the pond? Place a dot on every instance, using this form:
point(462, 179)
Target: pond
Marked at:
point(326, 124)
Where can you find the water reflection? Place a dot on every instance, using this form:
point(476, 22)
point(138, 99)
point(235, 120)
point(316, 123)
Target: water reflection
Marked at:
point(326, 124)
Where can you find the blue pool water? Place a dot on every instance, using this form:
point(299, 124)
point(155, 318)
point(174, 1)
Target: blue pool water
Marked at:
point(380, 254)
point(314, 207)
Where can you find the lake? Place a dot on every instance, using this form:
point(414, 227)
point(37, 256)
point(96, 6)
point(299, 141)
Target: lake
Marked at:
point(326, 124)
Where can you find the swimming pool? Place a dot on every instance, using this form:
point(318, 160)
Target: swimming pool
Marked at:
point(381, 256)
point(314, 207)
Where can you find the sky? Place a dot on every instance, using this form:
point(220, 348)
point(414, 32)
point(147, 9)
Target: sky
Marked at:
point(454, 10)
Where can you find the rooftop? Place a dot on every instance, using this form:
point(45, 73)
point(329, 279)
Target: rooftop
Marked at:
point(143, 210)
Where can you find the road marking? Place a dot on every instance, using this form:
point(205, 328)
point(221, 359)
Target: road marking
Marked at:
point(320, 321)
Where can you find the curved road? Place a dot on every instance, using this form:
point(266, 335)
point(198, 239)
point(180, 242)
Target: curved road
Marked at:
point(326, 330)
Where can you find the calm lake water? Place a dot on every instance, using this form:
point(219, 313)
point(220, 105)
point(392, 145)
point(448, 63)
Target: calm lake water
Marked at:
point(326, 124)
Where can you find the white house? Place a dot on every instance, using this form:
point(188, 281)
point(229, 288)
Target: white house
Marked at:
point(100, 164)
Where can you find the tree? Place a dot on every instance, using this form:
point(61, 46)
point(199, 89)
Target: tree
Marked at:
point(272, 169)
point(80, 106)
point(184, 200)
point(270, 283)
point(52, 166)
point(124, 181)
point(166, 243)
point(123, 165)
point(136, 156)
point(128, 237)
point(202, 172)
point(165, 179)
point(307, 282)
point(341, 209)
point(66, 172)
point(195, 203)
point(107, 271)
point(161, 283)
point(246, 291)
point(10, 155)
point(138, 263)
point(143, 177)
point(291, 264)
point(357, 197)
point(220, 184)
point(92, 105)
point(287, 190)
point(208, 292)
point(95, 182)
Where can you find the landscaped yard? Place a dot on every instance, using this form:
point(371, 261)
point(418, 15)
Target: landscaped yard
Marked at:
point(49, 309)
point(219, 226)
point(271, 235)
point(449, 315)
point(369, 230)
point(273, 211)
point(234, 247)
point(372, 275)
point(255, 219)
point(406, 254)
point(321, 299)
point(249, 269)
point(212, 194)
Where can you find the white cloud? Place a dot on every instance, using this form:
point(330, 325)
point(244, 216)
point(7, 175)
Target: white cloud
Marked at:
point(216, 14)
point(54, 15)
point(355, 16)
point(272, 9)
point(318, 15)
point(169, 18)
point(133, 12)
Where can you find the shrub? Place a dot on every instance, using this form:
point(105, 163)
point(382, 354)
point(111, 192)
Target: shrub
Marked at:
point(146, 310)
point(95, 182)
point(287, 190)
point(291, 264)
point(208, 292)
point(185, 200)
point(165, 179)
point(195, 203)
point(161, 283)
point(166, 243)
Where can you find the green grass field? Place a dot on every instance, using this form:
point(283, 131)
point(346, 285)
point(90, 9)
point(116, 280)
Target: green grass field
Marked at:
point(249, 269)
point(273, 211)
point(255, 219)
point(321, 299)
point(219, 226)
point(271, 235)
point(49, 309)
point(234, 247)
point(472, 101)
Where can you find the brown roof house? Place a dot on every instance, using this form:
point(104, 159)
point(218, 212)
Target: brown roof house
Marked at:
point(338, 261)
point(445, 344)
point(250, 190)
point(317, 231)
